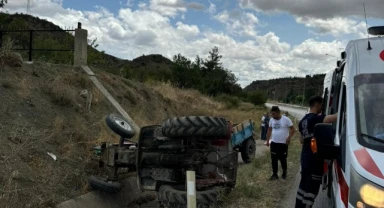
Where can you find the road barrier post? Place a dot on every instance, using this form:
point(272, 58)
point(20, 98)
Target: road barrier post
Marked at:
point(191, 189)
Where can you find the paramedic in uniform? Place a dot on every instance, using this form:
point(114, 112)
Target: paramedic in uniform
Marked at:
point(280, 131)
point(311, 165)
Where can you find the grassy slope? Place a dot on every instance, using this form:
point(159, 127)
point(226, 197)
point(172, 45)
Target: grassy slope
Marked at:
point(41, 111)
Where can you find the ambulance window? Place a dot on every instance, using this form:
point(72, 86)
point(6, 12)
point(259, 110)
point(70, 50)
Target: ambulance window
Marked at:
point(342, 110)
point(342, 126)
point(325, 100)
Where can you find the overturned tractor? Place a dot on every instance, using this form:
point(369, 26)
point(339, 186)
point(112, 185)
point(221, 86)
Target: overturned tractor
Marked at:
point(207, 145)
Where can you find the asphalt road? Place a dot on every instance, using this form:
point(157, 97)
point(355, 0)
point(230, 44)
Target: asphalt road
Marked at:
point(289, 199)
point(296, 112)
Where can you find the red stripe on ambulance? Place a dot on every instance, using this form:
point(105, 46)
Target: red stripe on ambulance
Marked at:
point(344, 189)
point(366, 161)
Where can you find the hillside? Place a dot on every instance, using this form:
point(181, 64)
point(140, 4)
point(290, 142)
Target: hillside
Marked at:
point(289, 89)
point(61, 40)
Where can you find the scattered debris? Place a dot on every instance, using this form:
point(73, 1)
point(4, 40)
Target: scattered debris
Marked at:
point(52, 155)
point(88, 96)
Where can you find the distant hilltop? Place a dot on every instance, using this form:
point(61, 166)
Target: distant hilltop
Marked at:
point(289, 89)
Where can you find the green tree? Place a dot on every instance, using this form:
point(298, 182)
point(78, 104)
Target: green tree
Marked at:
point(185, 74)
point(257, 98)
point(213, 61)
point(2, 3)
point(208, 76)
point(298, 99)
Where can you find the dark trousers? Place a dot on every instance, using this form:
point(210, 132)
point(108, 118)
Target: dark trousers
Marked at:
point(264, 132)
point(310, 183)
point(279, 151)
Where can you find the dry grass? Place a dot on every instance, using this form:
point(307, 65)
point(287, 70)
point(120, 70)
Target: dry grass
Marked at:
point(40, 108)
point(64, 89)
point(8, 84)
point(7, 56)
point(61, 93)
point(9, 192)
point(192, 98)
point(98, 96)
point(197, 104)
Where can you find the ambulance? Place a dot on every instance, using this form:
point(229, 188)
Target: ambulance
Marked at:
point(354, 145)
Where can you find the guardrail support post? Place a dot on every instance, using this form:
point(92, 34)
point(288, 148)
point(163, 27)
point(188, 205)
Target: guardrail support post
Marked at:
point(191, 189)
point(80, 48)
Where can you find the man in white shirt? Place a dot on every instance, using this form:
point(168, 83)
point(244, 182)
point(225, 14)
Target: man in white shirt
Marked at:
point(280, 132)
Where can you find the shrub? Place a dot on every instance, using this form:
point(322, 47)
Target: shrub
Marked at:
point(257, 98)
point(229, 101)
point(7, 57)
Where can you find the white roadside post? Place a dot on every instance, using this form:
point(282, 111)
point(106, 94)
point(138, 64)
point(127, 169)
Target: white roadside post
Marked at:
point(191, 189)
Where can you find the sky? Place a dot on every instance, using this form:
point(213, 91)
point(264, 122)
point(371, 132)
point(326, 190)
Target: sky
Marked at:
point(258, 39)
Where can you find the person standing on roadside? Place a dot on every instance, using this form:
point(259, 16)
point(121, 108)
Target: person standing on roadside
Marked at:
point(280, 132)
point(262, 127)
point(311, 164)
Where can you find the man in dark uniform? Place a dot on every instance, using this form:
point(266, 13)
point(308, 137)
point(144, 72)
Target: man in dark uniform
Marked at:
point(311, 164)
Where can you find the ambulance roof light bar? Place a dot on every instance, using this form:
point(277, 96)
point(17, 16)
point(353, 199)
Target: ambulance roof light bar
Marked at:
point(377, 30)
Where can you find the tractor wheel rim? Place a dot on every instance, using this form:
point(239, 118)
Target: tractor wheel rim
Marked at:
point(123, 124)
point(250, 150)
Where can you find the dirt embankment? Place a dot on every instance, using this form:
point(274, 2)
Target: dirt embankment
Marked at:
point(41, 111)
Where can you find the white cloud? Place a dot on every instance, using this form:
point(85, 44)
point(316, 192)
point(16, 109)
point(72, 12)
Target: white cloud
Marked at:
point(311, 48)
point(129, 3)
point(325, 17)
point(238, 22)
point(142, 5)
point(168, 7)
point(336, 26)
point(212, 8)
point(131, 33)
point(173, 7)
point(187, 31)
point(318, 8)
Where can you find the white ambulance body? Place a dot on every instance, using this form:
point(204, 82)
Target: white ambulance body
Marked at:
point(357, 86)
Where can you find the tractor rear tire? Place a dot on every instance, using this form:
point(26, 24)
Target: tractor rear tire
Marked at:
point(248, 150)
point(195, 126)
point(176, 196)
